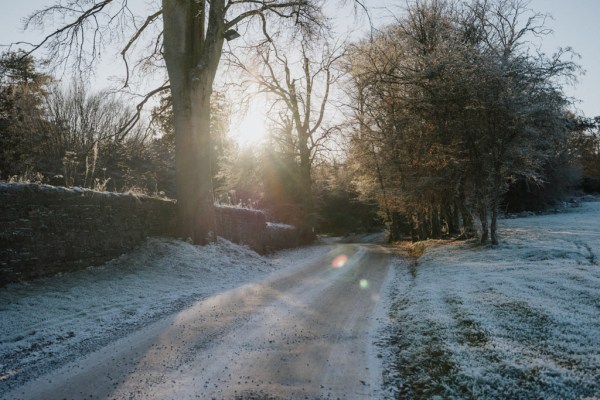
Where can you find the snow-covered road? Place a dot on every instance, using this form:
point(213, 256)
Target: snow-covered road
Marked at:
point(304, 331)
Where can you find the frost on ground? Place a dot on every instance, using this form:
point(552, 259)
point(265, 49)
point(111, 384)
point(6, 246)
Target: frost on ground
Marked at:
point(48, 322)
point(519, 321)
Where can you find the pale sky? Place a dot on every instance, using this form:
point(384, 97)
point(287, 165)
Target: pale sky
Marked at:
point(575, 23)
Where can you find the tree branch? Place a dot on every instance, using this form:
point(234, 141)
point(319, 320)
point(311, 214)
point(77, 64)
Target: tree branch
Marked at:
point(133, 39)
point(130, 124)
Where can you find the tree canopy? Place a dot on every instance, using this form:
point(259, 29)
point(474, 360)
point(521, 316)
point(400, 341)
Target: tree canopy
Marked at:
point(451, 105)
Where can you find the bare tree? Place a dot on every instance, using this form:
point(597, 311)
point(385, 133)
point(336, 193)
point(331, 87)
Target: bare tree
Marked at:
point(191, 42)
point(82, 124)
point(299, 82)
point(194, 33)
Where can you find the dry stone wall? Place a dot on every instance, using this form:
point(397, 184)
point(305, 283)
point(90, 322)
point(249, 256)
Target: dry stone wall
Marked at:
point(243, 226)
point(282, 236)
point(45, 229)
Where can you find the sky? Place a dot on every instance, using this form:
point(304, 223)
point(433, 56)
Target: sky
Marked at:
point(574, 23)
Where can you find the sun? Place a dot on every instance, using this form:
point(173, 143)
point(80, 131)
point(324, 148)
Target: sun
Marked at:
point(250, 128)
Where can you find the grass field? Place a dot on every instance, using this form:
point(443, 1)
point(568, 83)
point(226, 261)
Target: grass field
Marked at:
point(519, 321)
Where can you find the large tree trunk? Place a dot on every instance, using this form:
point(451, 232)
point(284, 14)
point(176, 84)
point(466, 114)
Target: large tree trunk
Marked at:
point(192, 55)
point(193, 165)
point(306, 178)
point(307, 230)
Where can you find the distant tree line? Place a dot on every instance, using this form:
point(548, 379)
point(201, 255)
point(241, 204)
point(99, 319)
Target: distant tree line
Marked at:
point(584, 146)
point(67, 135)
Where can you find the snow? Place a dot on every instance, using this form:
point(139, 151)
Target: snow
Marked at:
point(520, 320)
point(41, 187)
point(49, 322)
point(280, 225)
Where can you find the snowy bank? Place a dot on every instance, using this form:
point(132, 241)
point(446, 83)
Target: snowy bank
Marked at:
point(50, 321)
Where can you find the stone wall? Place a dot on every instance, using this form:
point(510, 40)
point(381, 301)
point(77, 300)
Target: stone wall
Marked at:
point(250, 227)
point(243, 226)
point(282, 236)
point(45, 229)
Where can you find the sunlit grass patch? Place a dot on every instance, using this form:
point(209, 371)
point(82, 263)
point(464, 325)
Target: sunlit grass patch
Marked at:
point(417, 249)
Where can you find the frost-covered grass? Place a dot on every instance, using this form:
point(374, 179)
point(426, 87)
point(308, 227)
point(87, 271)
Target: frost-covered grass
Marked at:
point(48, 322)
point(519, 321)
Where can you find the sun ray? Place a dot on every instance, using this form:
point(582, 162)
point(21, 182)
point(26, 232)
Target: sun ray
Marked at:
point(250, 128)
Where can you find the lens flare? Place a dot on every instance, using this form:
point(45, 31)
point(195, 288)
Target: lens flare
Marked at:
point(364, 284)
point(339, 261)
